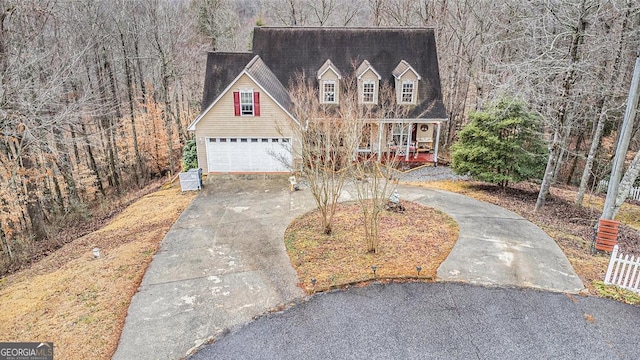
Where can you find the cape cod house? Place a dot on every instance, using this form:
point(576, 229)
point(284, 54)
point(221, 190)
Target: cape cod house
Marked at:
point(246, 97)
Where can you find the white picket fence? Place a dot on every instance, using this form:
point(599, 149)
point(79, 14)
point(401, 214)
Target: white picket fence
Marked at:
point(623, 271)
point(634, 193)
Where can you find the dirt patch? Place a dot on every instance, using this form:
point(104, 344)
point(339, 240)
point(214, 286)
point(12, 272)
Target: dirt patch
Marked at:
point(420, 236)
point(79, 302)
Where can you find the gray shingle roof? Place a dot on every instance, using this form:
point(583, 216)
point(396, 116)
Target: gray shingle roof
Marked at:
point(265, 78)
point(402, 68)
point(364, 67)
point(326, 66)
point(222, 68)
point(289, 51)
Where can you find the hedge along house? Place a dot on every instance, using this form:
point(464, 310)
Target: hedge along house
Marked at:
point(246, 98)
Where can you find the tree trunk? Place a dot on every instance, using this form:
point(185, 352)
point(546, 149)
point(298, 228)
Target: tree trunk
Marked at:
point(32, 201)
point(5, 242)
point(167, 122)
point(561, 155)
point(181, 129)
point(64, 164)
point(165, 98)
point(134, 135)
point(76, 153)
point(574, 163)
point(56, 187)
point(143, 87)
point(593, 149)
point(627, 183)
point(112, 142)
point(547, 181)
point(92, 161)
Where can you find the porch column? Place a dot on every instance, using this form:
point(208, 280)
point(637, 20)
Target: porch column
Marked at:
point(406, 156)
point(435, 150)
point(380, 141)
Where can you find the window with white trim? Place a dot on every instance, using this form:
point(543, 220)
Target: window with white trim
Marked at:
point(246, 103)
point(406, 97)
point(329, 92)
point(368, 91)
point(400, 134)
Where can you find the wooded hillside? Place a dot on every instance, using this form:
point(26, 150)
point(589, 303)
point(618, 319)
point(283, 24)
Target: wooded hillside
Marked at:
point(95, 96)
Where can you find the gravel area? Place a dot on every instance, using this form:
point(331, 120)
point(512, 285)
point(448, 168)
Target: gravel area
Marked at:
point(431, 173)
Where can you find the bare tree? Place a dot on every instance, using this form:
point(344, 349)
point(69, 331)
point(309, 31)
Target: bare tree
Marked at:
point(372, 174)
point(322, 143)
point(218, 22)
point(605, 103)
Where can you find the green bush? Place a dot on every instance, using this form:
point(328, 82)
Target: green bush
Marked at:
point(189, 156)
point(503, 143)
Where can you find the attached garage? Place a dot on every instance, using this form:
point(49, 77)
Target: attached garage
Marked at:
point(248, 154)
point(248, 127)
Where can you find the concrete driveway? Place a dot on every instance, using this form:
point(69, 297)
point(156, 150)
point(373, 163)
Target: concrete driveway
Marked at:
point(497, 247)
point(223, 262)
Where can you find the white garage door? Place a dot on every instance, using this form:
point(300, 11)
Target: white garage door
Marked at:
point(248, 154)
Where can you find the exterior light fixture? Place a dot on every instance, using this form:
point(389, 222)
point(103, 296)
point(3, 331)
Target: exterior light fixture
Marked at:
point(313, 282)
point(374, 268)
point(418, 268)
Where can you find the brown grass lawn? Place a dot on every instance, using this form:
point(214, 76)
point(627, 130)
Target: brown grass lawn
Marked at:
point(570, 226)
point(78, 302)
point(420, 236)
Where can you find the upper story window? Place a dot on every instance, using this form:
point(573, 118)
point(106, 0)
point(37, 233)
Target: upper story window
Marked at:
point(368, 80)
point(329, 92)
point(368, 92)
point(407, 94)
point(329, 80)
point(246, 103)
point(407, 79)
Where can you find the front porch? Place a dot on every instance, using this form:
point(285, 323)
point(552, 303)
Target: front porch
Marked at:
point(404, 141)
point(417, 159)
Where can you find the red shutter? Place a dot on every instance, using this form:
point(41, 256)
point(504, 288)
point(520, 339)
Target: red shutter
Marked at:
point(236, 103)
point(256, 104)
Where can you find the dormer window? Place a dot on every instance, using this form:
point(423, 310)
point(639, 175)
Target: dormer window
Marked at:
point(406, 83)
point(329, 91)
point(368, 92)
point(407, 92)
point(368, 82)
point(329, 80)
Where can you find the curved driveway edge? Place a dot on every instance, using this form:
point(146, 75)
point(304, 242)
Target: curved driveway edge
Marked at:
point(496, 246)
point(438, 321)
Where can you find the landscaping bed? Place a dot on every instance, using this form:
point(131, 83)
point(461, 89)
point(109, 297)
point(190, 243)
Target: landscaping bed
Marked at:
point(418, 237)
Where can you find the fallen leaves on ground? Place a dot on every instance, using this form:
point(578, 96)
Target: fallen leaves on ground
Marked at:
point(78, 302)
point(420, 236)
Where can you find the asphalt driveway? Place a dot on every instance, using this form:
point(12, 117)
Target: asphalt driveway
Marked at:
point(439, 321)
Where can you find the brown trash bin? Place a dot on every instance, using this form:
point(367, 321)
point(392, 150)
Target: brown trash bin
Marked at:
point(606, 235)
